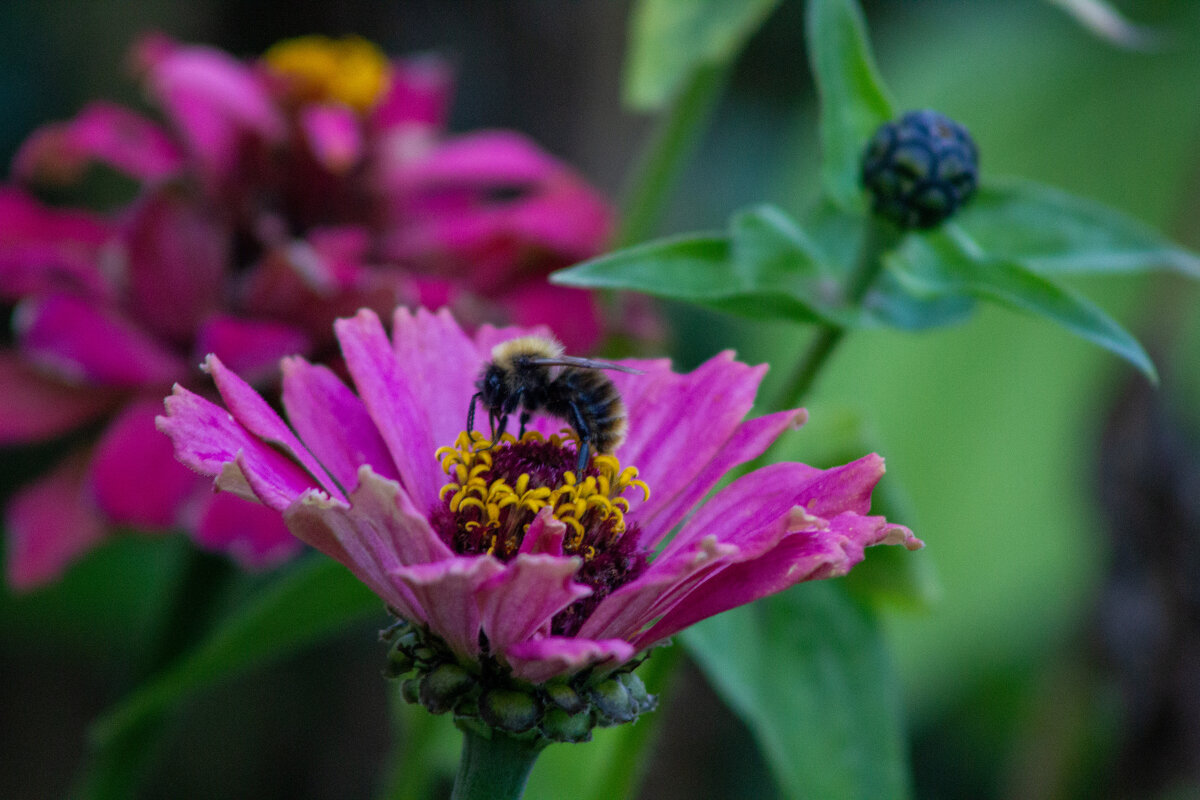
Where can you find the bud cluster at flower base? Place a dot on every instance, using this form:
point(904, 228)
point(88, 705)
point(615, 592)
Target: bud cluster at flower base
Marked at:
point(483, 692)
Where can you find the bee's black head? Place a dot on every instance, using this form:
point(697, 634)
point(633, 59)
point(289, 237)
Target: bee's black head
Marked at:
point(493, 390)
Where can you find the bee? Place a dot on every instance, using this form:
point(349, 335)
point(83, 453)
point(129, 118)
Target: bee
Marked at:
point(531, 373)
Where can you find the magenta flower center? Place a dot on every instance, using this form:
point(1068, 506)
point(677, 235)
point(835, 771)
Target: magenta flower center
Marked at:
point(496, 492)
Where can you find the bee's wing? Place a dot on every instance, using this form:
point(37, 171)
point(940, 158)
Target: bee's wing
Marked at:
point(585, 363)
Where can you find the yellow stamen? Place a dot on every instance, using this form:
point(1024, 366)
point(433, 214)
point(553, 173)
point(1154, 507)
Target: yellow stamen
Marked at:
point(577, 503)
point(350, 70)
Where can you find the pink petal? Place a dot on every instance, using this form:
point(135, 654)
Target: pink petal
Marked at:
point(439, 364)
point(539, 660)
point(418, 96)
point(134, 475)
point(79, 341)
point(334, 136)
point(177, 251)
point(520, 601)
point(802, 556)
point(333, 423)
point(446, 590)
point(47, 250)
point(250, 347)
point(259, 419)
point(50, 525)
point(390, 396)
point(208, 440)
point(572, 314)
point(252, 534)
point(750, 440)
point(103, 132)
point(377, 532)
point(679, 423)
point(545, 535)
point(34, 407)
point(212, 98)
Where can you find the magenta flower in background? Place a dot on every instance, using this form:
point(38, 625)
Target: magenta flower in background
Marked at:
point(501, 551)
point(274, 195)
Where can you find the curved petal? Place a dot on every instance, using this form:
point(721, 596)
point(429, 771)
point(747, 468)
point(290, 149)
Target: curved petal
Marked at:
point(46, 249)
point(210, 441)
point(253, 413)
point(77, 340)
point(520, 601)
point(417, 97)
point(679, 423)
point(750, 440)
point(134, 476)
point(211, 97)
point(806, 555)
point(446, 590)
point(539, 660)
point(34, 407)
point(334, 136)
point(376, 532)
point(439, 363)
point(252, 534)
point(103, 132)
point(177, 251)
point(389, 397)
point(314, 398)
point(50, 525)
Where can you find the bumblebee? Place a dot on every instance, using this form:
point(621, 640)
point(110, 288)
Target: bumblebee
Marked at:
point(531, 373)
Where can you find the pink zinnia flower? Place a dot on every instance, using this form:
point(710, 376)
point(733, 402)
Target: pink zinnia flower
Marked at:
point(275, 195)
point(500, 550)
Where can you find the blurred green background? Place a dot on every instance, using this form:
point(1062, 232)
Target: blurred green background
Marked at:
point(1054, 605)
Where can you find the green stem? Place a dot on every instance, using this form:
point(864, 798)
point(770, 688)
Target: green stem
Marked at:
point(673, 141)
point(878, 238)
point(494, 766)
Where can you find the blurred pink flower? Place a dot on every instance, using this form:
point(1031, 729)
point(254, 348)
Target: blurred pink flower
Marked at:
point(275, 195)
point(558, 572)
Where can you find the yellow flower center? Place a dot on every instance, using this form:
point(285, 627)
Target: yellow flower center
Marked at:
point(349, 70)
point(495, 491)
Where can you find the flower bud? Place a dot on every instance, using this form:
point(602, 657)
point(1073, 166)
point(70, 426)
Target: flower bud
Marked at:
point(614, 701)
point(920, 169)
point(561, 726)
point(565, 697)
point(509, 710)
point(637, 692)
point(443, 686)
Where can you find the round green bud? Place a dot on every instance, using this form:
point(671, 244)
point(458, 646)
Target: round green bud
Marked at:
point(441, 687)
point(509, 710)
point(565, 697)
point(613, 700)
point(561, 726)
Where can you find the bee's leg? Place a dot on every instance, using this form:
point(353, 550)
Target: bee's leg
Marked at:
point(471, 413)
point(498, 430)
point(583, 432)
point(525, 415)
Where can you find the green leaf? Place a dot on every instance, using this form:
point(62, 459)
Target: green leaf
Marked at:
point(809, 673)
point(1055, 232)
point(302, 607)
point(671, 39)
point(765, 268)
point(948, 262)
point(838, 237)
point(854, 101)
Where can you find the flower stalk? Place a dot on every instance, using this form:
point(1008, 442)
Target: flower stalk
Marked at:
point(494, 765)
point(879, 237)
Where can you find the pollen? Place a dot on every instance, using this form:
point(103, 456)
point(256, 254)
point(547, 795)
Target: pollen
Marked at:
point(350, 70)
point(496, 489)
